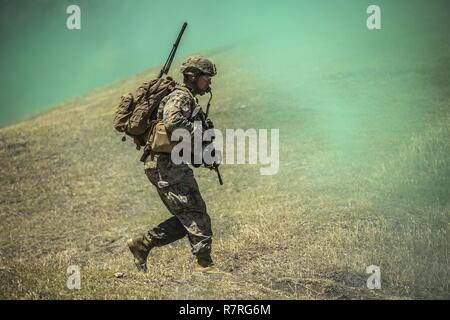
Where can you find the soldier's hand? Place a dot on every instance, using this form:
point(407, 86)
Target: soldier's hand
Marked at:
point(209, 123)
point(210, 166)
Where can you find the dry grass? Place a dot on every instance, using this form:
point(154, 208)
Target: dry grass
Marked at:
point(72, 193)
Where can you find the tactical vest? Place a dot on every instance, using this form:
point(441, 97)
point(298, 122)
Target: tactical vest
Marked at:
point(159, 139)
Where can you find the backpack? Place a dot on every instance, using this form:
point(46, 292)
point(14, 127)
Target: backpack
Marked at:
point(135, 116)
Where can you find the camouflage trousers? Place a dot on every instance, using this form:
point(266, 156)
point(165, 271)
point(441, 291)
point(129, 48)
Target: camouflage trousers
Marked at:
point(179, 192)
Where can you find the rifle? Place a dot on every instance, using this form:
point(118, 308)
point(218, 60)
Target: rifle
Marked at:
point(164, 71)
point(206, 125)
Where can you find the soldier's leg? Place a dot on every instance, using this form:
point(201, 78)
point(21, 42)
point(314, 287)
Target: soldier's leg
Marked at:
point(186, 203)
point(168, 231)
point(171, 229)
point(180, 193)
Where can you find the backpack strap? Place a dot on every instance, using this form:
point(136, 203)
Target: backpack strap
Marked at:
point(197, 107)
point(185, 89)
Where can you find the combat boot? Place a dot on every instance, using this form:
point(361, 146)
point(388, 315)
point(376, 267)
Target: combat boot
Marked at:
point(205, 265)
point(140, 248)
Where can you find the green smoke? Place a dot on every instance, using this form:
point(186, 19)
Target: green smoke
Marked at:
point(43, 63)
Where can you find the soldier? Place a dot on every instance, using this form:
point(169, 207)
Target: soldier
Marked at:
point(175, 183)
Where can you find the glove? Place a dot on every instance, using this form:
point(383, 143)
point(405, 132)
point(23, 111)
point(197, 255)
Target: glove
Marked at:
point(211, 166)
point(209, 123)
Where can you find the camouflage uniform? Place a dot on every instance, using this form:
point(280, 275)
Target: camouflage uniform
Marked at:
point(176, 184)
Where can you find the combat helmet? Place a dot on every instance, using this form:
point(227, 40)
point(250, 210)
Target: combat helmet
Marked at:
point(195, 65)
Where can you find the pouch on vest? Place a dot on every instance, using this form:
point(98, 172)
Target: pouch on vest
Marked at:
point(160, 140)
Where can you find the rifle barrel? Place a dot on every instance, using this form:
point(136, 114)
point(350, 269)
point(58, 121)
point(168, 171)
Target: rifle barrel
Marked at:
point(218, 175)
point(165, 69)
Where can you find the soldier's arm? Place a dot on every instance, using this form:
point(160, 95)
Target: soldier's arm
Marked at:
point(177, 112)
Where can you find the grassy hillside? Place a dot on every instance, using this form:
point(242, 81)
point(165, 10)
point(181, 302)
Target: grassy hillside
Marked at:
point(72, 193)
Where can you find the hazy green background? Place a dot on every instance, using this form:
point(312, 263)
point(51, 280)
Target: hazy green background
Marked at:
point(364, 173)
point(42, 63)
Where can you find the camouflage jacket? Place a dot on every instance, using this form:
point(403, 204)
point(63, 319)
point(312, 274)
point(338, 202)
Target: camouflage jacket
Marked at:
point(176, 110)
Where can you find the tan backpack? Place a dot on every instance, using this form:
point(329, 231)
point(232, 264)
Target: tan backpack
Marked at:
point(136, 116)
